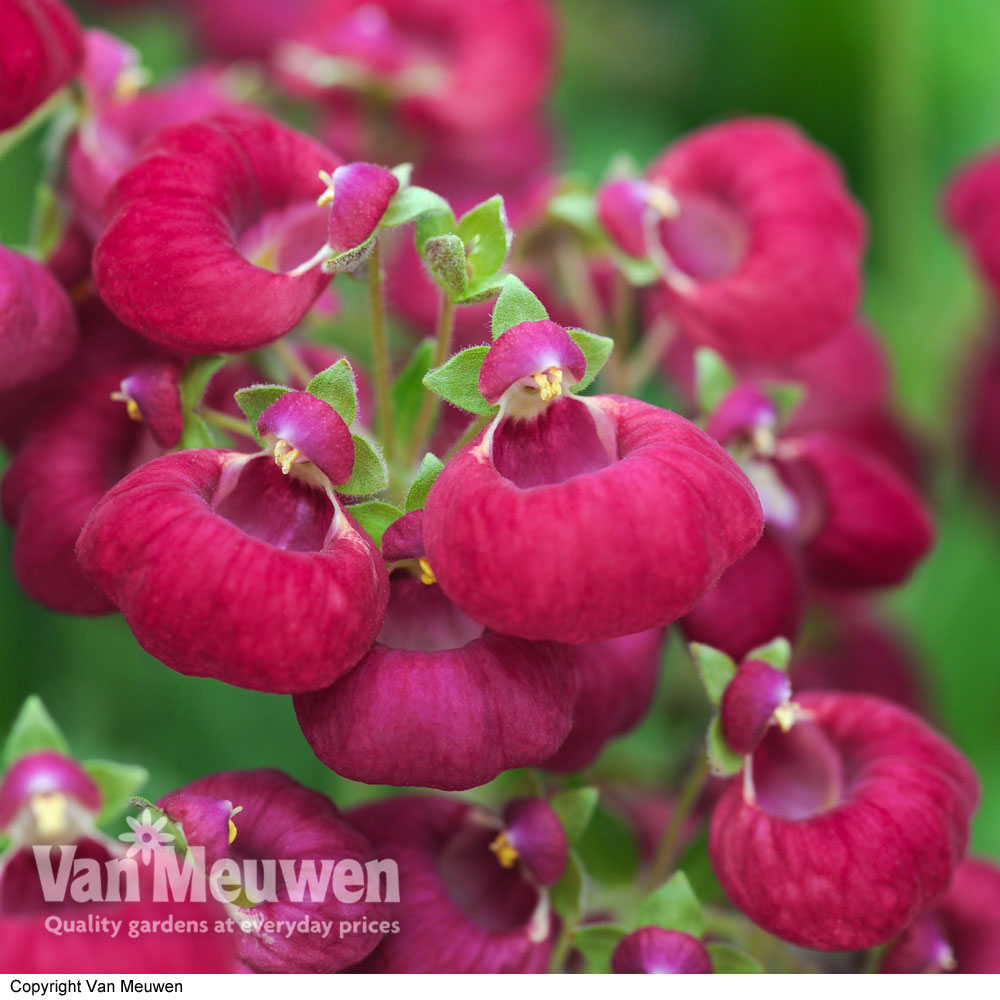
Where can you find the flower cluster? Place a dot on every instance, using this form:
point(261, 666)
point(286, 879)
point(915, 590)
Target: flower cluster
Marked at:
point(458, 539)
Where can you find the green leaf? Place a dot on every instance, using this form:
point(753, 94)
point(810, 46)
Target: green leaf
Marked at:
point(597, 942)
point(577, 209)
point(715, 668)
point(722, 760)
point(457, 381)
point(445, 259)
point(434, 223)
point(430, 469)
point(195, 377)
point(713, 379)
point(729, 960)
point(487, 237)
point(255, 399)
point(777, 653)
point(566, 896)
point(636, 270)
point(402, 172)
point(337, 386)
point(370, 474)
point(349, 260)
point(408, 203)
point(517, 304)
point(48, 220)
point(596, 349)
point(575, 808)
point(674, 907)
point(608, 849)
point(408, 389)
point(118, 784)
point(196, 433)
point(33, 730)
point(374, 517)
point(482, 291)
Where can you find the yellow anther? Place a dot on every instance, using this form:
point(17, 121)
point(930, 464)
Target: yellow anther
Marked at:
point(232, 825)
point(764, 441)
point(549, 383)
point(130, 81)
point(131, 406)
point(662, 200)
point(504, 850)
point(327, 196)
point(786, 716)
point(49, 810)
point(426, 573)
point(285, 455)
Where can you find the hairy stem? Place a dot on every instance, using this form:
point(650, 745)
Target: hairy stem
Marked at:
point(380, 348)
point(297, 368)
point(687, 799)
point(431, 403)
point(617, 368)
point(223, 420)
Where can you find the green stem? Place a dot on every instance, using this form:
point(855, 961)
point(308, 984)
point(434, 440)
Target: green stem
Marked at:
point(646, 357)
point(225, 421)
point(380, 347)
point(578, 286)
point(296, 367)
point(687, 799)
point(431, 403)
point(617, 368)
point(562, 946)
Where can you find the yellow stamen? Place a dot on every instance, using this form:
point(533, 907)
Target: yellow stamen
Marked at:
point(662, 200)
point(49, 809)
point(549, 383)
point(327, 196)
point(130, 81)
point(131, 406)
point(285, 455)
point(764, 441)
point(426, 573)
point(232, 825)
point(786, 715)
point(504, 850)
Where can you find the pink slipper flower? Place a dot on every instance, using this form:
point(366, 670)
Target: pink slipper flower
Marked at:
point(439, 701)
point(959, 934)
point(264, 817)
point(489, 63)
point(294, 592)
point(845, 827)
point(757, 241)
point(206, 230)
point(972, 208)
point(38, 330)
point(467, 901)
point(48, 801)
point(615, 684)
point(581, 518)
point(41, 49)
point(655, 950)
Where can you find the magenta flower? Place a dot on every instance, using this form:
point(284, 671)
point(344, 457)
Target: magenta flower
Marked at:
point(38, 331)
point(489, 63)
point(40, 50)
point(581, 518)
point(112, 135)
point(961, 933)
point(262, 817)
point(755, 699)
point(467, 902)
point(358, 194)
point(757, 598)
point(981, 429)
point(217, 213)
point(48, 800)
point(655, 950)
point(972, 208)
point(757, 241)
point(615, 684)
point(225, 567)
point(439, 701)
point(844, 828)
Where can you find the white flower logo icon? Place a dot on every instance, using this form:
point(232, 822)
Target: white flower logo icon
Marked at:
point(146, 835)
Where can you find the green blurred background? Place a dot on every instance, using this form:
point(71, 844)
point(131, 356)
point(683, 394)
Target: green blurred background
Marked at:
point(902, 91)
